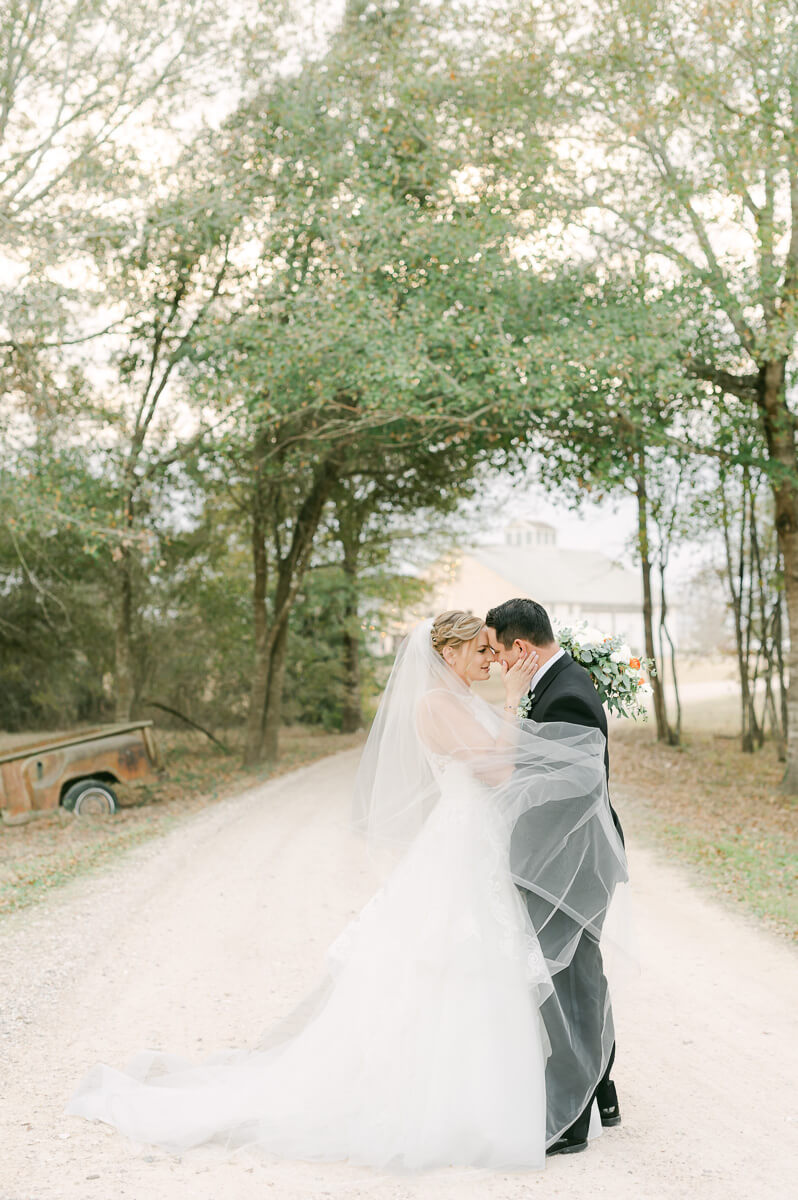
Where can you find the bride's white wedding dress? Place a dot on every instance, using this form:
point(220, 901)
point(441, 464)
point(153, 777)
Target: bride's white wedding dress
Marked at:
point(428, 1049)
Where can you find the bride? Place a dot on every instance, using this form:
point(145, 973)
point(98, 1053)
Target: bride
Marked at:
point(428, 1048)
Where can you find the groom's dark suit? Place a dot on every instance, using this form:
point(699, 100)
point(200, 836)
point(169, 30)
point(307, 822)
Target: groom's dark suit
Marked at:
point(566, 693)
point(581, 998)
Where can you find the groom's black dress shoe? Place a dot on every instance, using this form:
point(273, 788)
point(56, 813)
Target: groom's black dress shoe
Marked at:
point(567, 1145)
point(607, 1100)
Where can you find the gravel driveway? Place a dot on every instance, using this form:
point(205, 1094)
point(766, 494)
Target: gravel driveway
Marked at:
point(201, 939)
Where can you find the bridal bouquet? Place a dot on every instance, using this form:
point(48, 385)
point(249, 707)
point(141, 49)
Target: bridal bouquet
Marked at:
point(618, 674)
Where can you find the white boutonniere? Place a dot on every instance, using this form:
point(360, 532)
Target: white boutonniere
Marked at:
point(524, 706)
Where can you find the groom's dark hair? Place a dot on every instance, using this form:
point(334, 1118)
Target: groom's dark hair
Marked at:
point(521, 619)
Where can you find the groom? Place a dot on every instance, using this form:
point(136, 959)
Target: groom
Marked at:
point(562, 691)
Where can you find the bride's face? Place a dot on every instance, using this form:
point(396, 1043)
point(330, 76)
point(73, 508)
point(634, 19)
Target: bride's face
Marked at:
point(471, 660)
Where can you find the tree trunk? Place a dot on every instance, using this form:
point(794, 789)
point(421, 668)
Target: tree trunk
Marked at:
point(290, 570)
point(737, 594)
point(352, 715)
point(675, 731)
point(746, 590)
point(351, 511)
point(660, 713)
point(272, 704)
point(273, 709)
point(779, 426)
point(124, 677)
point(766, 632)
point(778, 641)
point(124, 687)
point(260, 676)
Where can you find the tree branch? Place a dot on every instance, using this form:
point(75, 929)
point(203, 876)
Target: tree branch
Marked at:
point(744, 386)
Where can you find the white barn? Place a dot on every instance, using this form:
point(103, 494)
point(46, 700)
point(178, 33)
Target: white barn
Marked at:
point(572, 585)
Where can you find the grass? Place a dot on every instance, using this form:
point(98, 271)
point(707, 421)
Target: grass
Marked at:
point(39, 856)
point(715, 809)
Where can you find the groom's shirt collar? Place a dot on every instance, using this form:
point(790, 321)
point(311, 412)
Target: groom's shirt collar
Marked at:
point(541, 671)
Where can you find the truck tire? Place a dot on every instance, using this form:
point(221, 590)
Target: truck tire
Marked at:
point(90, 797)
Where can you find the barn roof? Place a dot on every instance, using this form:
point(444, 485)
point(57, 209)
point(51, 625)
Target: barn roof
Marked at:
point(553, 574)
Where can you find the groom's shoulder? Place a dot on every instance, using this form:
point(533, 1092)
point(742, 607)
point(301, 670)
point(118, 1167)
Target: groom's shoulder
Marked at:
point(575, 675)
point(574, 679)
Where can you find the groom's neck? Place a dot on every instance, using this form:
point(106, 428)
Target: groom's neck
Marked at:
point(547, 652)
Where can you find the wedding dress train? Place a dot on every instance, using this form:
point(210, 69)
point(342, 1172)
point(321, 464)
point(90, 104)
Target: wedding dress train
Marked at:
point(429, 1049)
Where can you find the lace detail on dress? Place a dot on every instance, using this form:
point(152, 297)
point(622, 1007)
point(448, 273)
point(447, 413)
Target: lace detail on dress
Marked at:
point(516, 941)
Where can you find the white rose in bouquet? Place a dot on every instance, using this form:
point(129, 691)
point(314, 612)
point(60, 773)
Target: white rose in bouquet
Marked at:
point(592, 636)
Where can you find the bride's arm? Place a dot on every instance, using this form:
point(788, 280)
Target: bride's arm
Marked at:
point(448, 729)
point(447, 726)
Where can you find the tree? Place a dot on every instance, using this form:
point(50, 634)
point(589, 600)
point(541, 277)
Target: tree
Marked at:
point(734, 499)
point(686, 120)
point(618, 400)
point(89, 71)
point(168, 283)
point(370, 327)
point(55, 632)
point(86, 69)
point(116, 241)
point(371, 505)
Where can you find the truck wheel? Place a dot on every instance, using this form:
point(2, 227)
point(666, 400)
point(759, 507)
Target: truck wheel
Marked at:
point(90, 797)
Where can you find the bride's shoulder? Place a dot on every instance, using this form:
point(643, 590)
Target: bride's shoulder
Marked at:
point(442, 709)
point(439, 704)
point(440, 719)
point(441, 700)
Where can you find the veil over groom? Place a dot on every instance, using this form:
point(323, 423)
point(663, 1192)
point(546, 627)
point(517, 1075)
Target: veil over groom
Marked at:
point(561, 692)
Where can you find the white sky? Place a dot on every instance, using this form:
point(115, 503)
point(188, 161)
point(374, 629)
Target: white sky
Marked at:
point(609, 527)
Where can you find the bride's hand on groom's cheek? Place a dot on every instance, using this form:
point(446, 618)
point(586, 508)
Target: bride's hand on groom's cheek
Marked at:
point(518, 677)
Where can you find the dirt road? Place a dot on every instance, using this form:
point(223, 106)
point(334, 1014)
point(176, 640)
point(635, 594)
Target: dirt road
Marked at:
point(200, 940)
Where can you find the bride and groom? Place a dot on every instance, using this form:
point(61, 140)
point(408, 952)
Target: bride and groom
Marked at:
point(466, 1018)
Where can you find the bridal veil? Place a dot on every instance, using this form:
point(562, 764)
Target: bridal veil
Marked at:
point(547, 781)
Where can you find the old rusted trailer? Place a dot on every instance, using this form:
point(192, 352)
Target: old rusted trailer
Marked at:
point(77, 770)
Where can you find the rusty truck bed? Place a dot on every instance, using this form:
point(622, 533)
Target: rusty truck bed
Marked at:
point(34, 776)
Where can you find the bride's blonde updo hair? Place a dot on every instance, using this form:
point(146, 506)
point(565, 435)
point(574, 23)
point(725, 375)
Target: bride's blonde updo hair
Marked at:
point(454, 627)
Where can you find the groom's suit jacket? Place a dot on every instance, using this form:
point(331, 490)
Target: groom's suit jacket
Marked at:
point(578, 1015)
point(566, 693)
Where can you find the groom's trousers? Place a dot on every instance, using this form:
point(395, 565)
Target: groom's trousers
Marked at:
point(578, 1020)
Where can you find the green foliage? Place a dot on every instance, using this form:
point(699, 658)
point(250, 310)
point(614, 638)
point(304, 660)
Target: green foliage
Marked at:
point(315, 651)
point(193, 642)
point(54, 587)
point(618, 674)
point(330, 315)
